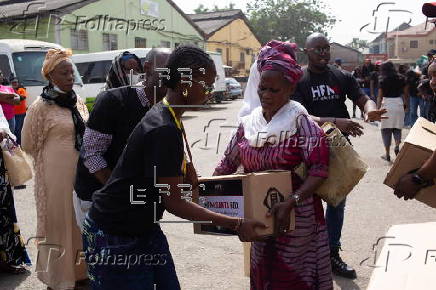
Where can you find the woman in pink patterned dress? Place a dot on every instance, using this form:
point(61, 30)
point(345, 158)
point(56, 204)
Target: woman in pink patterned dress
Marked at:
point(279, 134)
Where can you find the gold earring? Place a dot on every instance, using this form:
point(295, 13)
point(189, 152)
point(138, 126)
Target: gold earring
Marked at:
point(185, 93)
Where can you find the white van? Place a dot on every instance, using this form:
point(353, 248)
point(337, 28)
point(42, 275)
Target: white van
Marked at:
point(220, 88)
point(94, 67)
point(24, 58)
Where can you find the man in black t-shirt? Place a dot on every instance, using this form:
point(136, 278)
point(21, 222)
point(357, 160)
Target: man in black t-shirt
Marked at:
point(323, 90)
point(112, 210)
point(373, 83)
point(114, 116)
point(367, 69)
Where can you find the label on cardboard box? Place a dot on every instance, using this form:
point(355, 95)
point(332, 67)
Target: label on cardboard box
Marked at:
point(229, 205)
point(250, 196)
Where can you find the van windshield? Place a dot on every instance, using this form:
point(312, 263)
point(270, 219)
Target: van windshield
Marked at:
point(28, 67)
point(94, 72)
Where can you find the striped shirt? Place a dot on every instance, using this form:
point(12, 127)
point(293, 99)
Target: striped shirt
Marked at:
point(95, 144)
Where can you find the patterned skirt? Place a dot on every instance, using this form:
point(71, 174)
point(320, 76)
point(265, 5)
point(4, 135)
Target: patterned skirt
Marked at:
point(12, 248)
point(298, 260)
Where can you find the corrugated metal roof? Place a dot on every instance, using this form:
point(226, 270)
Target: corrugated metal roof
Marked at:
point(12, 9)
point(210, 26)
point(211, 22)
point(216, 14)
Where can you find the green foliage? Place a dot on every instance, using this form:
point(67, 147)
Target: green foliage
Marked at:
point(288, 20)
point(90, 103)
point(358, 43)
point(202, 9)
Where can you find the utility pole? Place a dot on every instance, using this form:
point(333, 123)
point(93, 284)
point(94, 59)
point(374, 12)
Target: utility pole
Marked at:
point(386, 36)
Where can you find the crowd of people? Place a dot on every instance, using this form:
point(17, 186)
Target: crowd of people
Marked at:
point(134, 141)
point(402, 90)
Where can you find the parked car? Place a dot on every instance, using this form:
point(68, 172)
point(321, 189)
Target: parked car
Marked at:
point(234, 88)
point(220, 91)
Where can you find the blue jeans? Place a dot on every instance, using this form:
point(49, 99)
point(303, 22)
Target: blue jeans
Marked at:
point(367, 91)
point(127, 262)
point(335, 221)
point(412, 115)
point(12, 124)
point(19, 121)
point(425, 108)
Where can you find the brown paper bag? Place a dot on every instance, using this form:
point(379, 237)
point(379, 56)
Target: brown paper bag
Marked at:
point(346, 168)
point(17, 168)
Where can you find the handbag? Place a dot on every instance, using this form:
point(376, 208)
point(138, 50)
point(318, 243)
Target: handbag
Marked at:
point(18, 169)
point(346, 167)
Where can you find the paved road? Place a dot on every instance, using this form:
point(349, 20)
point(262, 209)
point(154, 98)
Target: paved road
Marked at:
point(212, 262)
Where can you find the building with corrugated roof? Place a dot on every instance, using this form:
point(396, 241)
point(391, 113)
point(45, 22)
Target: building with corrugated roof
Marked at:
point(98, 25)
point(411, 43)
point(229, 33)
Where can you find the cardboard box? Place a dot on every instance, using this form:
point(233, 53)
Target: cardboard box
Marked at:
point(406, 259)
point(247, 258)
point(418, 147)
point(245, 196)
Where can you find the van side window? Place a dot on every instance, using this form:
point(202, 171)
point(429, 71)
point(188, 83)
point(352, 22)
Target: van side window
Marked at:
point(4, 66)
point(94, 72)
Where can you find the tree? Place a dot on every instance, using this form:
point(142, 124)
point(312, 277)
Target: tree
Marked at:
point(288, 20)
point(202, 9)
point(358, 43)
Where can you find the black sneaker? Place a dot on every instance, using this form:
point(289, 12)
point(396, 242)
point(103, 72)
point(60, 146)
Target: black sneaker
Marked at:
point(340, 268)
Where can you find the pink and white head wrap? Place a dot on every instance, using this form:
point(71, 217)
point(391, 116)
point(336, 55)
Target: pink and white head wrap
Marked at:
point(280, 56)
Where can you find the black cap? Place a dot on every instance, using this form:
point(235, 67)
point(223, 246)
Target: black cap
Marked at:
point(431, 52)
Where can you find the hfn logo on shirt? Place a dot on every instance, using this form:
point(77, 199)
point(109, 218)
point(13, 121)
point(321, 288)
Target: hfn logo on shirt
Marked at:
point(325, 93)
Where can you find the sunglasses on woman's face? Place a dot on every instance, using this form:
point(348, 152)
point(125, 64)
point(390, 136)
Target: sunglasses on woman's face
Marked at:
point(207, 89)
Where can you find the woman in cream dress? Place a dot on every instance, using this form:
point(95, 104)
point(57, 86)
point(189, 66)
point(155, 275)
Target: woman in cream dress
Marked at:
point(52, 135)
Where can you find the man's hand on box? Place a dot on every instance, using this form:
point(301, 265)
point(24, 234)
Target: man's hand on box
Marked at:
point(406, 187)
point(247, 231)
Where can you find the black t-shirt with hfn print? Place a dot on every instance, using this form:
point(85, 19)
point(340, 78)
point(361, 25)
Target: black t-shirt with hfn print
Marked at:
point(324, 94)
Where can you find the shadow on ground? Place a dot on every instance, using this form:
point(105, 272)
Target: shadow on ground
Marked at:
point(345, 284)
point(12, 281)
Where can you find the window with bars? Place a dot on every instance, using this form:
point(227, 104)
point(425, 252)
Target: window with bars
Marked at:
point(79, 39)
point(110, 41)
point(414, 44)
point(165, 44)
point(140, 42)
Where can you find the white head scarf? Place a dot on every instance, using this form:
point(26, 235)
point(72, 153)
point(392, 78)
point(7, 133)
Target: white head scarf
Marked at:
point(251, 98)
point(257, 131)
